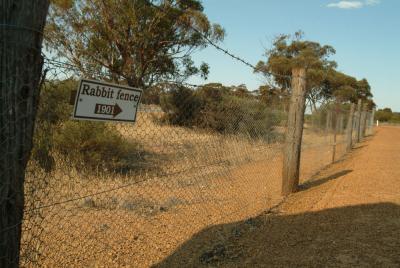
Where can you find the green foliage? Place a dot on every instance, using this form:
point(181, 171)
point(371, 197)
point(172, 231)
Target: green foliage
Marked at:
point(139, 42)
point(326, 116)
point(346, 88)
point(181, 106)
point(289, 52)
point(92, 145)
point(324, 83)
point(87, 145)
point(53, 109)
point(274, 97)
point(219, 108)
point(387, 115)
point(43, 144)
point(395, 118)
point(152, 95)
point(54, 104)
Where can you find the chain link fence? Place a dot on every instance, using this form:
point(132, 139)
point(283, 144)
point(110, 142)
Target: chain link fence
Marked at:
point(111, 194)
point(326, 135)
point(114, 194)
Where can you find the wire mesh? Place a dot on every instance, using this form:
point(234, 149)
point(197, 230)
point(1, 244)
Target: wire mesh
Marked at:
point(128, 194)
point(324, 139)
point(115, 194)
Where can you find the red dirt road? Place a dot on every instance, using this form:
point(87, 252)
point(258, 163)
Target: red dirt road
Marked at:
point(347, 216)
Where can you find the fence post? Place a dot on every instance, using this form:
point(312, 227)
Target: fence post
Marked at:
point(335, 130)
point(371, 123)
point(341, 119)
point(359, 120)
point(364, 120)
point(21, 28)
point(350, 124)
point(328, 123)
point(294, 133)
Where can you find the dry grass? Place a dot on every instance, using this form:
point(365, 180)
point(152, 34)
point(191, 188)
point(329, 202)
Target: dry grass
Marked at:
point(194, 179)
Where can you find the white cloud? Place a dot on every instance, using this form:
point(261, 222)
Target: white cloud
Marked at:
point(347, 4)
point(372, 2)
point(353, 4)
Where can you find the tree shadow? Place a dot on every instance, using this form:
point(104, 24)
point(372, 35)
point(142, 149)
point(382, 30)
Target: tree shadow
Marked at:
point(314, 183)
point(353, 236)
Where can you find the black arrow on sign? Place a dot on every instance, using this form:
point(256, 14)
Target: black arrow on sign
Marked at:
point(117, 110)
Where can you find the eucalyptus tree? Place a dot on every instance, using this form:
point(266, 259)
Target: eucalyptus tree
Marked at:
point(344, 88)
point(288, 52)
point(140, 42)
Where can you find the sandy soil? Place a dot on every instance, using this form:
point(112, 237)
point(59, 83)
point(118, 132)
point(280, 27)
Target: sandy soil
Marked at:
point(138, 221)
point(346, 216)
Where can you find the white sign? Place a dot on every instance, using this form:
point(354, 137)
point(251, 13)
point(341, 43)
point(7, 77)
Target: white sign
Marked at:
point(104, 101)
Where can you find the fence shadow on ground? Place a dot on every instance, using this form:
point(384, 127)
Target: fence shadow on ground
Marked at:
point(314, 183)
point(361, 236)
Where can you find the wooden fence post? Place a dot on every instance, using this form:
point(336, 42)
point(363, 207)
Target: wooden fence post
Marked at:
point(294, 133)
point(328, 123)
point(21, 34)
point(341, 123)
point(364, 121)
point(349, 130)
point(335, 131)
point(359, 120)
point(371, 122)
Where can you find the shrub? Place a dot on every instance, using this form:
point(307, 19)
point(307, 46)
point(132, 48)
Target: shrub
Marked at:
point(246, 117)
point(53, 109)
point(87, 145)
point(43, 143)
point(92, 145)
point(218, 109)
point(54, 104)
point(152, 95)
point(181, 106)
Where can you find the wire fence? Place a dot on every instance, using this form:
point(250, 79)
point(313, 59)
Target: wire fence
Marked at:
point(119, 194)
point(115, 194)
point(102, 194)
point(326, 135)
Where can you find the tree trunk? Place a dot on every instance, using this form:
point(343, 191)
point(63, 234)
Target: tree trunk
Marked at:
point(294, 133)
point(22, 23)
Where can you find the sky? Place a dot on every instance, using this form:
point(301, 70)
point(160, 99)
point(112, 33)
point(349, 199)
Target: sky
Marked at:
point(365, 34)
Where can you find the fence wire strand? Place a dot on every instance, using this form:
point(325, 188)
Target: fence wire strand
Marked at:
point(114, 194)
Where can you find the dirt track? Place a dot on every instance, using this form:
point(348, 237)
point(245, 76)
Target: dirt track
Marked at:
point(347, 216)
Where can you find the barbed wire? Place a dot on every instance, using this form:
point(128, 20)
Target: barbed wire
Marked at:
point(69, 66)
point(226, 51)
